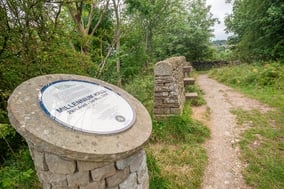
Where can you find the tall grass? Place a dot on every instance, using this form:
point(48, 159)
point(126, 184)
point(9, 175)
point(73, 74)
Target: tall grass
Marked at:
point(264, 82)
point(262, 144)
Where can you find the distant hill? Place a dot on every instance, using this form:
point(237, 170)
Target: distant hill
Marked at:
point(219, 42)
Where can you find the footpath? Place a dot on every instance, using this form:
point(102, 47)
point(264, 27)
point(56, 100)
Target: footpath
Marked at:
point(224, 166)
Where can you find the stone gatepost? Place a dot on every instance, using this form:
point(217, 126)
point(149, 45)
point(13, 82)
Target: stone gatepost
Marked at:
point(169, 87)
point(82, 133)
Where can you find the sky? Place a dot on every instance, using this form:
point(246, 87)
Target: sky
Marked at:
point(219, 9)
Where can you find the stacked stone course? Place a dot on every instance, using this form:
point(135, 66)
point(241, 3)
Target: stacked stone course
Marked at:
point(169, 95)
point(56, 172)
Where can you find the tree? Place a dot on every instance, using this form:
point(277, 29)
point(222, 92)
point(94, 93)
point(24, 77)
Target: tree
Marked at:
point(189, 31)
point(117, 6)
point(83, 15)
point(154, 16)
point(258, 26)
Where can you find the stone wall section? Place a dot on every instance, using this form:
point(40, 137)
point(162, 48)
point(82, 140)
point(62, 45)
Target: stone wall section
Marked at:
point(56, 172)
point(169, 86)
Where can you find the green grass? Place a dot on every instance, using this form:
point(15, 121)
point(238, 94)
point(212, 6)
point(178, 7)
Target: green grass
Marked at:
point(200, 100)
point(176, 157)
point(264, 82)
point(262, 144)
point(176, 144)
point(18, 172)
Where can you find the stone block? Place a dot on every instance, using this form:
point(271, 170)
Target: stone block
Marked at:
point(191, 95)
point(188, 81)
point(118, 178)
point(145, 183)
point(171, 100)
point(174, 105)
point(63, 187)
point(39, 160)
point(89, 165)
point(142, 173)
point(78, 178)
point(51, 178)
point(132, 160)
point(163, 80)
point(175, 111)
point(130, 182)
point(116, 187)
point(187, 69)
point(46, 185)
point(95, 185)
point(103, 172)
point(58, 165)
point(162, 88)
point(177, 61)
point(163, 68)
point(162, 110)
point(173, 93)
point(158, 102)
point(163, 94)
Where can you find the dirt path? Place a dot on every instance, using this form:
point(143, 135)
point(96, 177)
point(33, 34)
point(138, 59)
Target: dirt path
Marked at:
point(224, 167)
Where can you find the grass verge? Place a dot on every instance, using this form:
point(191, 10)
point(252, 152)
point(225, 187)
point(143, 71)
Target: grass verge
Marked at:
point(176, 158)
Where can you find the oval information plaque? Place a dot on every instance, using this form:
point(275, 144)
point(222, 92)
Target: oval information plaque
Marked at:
point(86, 106)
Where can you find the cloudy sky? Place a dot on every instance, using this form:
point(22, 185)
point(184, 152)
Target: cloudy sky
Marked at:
point(220, 9)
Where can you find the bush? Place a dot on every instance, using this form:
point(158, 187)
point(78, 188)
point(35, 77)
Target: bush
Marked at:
point(18, 172)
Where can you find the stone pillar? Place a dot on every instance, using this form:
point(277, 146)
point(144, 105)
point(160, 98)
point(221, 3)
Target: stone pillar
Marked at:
point(169, 87)
point(68, 158)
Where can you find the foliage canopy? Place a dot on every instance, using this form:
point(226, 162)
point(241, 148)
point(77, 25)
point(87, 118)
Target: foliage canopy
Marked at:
point(258, 26)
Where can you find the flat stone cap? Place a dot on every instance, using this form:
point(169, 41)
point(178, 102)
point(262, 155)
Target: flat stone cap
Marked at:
point(166, 67)
point(48, 135)
point(163, 68)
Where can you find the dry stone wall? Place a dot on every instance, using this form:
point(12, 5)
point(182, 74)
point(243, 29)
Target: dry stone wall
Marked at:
point(169, 95)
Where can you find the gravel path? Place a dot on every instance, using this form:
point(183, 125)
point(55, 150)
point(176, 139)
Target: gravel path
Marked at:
point(224, 167)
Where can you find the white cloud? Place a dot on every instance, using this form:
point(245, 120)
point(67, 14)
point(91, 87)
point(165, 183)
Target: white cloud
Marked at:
point(220, 9)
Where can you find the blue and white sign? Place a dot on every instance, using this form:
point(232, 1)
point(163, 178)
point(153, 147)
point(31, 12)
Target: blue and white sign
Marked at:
point(86, 106)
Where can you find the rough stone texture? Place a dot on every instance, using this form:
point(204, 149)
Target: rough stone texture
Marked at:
point(191, 95)
point(187, 70)
point(39, 160)
point(78, 179)
point(169, 95)
point(163, 68)
point(70, 159)
point(52, 179)
point(130, 182)
point(134, 161)
point(94, 185)
point(90, 165)
point(103, 172)
point(188, 81)
point(119, 177)
point(58, 165)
